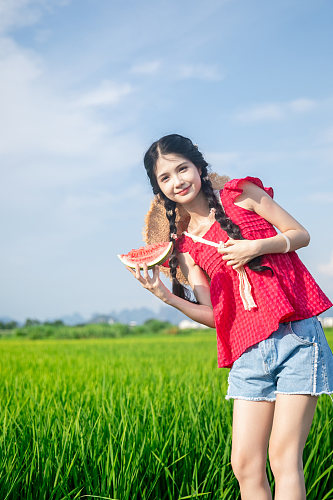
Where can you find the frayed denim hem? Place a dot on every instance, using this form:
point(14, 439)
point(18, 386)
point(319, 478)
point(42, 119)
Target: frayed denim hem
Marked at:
point(329, 393)
point(280, 392)
point(250, 399)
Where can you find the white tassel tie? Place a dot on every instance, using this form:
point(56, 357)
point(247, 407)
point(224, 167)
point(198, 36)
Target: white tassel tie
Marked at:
point(244, 284)
point(245, 290)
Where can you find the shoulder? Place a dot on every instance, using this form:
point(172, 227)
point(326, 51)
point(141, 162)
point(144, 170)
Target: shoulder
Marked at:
point(247, 189)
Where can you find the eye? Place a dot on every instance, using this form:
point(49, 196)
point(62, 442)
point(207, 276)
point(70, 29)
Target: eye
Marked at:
point(164, 179)
point(183, 168)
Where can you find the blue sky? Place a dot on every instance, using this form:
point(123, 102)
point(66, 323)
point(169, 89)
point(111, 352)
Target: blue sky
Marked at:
point(85, 88)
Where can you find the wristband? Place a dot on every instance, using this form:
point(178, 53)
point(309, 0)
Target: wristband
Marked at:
point(288, 242)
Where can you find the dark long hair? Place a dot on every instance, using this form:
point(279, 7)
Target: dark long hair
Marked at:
point(177, 144)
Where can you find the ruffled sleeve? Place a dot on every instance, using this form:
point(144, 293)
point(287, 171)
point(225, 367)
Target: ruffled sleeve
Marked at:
point(232, 189)
point(251, 224)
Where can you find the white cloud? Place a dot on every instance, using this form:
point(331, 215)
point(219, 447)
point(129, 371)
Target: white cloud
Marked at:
point(44, 135)
point(198, 71)
point(147, 68)
point(18, 13)
point(22, 175)
point(45, 140)
point(275, 110)
point(260, 113)
point(106, 94)
point(301, 105)
point(327, 268)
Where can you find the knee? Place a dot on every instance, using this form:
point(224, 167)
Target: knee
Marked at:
point(239, 464)
point(284, 460)
point(247, 466)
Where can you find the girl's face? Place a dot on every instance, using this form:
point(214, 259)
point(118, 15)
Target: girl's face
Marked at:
point(178, 178)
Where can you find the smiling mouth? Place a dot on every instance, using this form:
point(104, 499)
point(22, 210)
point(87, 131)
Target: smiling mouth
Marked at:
point(184, 191)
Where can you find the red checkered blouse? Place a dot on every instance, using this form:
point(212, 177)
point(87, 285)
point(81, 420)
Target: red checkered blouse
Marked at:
point(290, 294)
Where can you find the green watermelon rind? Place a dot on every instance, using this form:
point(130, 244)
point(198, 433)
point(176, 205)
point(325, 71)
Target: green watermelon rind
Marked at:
point(159, 259)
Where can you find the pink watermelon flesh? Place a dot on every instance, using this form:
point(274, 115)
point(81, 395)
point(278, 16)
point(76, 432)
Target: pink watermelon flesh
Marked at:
point(151, 255)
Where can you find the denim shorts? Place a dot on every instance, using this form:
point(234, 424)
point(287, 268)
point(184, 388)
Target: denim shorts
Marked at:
point(295, 359)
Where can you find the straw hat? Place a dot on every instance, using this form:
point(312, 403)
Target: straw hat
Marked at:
point(157, 228)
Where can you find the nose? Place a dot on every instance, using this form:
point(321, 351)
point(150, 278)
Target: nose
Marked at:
point(178, 181)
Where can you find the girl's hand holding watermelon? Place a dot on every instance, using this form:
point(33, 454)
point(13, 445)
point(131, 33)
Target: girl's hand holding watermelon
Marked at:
point(151, 283)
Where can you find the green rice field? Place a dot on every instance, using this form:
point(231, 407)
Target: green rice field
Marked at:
point(128, 418)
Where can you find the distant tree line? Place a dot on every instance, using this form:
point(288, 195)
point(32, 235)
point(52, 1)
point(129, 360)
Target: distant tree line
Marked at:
point(34, 329)
point(10, 325)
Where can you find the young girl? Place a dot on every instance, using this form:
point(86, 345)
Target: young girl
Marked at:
point(265, 313)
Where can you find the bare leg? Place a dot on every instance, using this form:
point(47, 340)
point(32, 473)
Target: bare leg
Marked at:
point(252, 423)
point(291, 425)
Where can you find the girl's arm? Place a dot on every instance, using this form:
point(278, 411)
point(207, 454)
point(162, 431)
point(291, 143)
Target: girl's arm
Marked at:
point(239, 252)
point(202, 312)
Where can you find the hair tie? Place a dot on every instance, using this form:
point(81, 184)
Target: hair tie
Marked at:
point(206, 178)
point(169, 212)
point(195, 145)
point(173, 236)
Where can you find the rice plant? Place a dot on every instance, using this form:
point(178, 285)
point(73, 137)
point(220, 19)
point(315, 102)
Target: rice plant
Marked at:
point(127, 418)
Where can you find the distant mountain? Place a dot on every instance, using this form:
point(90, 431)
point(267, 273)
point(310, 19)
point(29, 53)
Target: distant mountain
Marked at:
point(138, 315)
point(7, 319)
point(101, 318)
point(142, 314)
point(168, 313)
point(73, 319)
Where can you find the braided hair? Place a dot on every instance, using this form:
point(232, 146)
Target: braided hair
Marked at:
point(177, 144)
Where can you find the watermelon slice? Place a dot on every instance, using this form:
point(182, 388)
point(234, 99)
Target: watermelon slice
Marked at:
point(151, 255)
